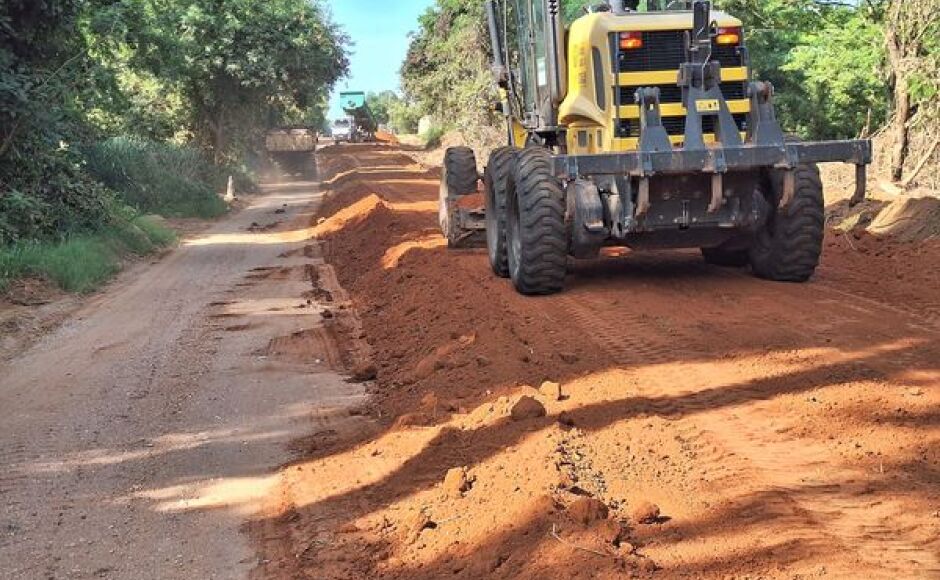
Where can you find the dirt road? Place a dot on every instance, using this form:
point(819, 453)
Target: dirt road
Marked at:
point(660, 418)
point(697, 422)
point(139, 437)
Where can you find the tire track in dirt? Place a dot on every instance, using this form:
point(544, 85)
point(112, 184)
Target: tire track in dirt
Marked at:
point(14, 456)
point(918, 312)
point(819, 512)
point(925, 314)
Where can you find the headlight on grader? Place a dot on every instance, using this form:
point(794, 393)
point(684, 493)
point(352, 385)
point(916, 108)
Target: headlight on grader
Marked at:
point(728, 36)
point(631, 40)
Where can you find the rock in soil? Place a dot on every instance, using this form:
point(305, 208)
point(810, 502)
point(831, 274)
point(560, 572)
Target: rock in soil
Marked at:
point(551, 390)
point(414, 524)
point(456, 482)
point(645, 513)
point(612, 532)
point(587, 509)
point(364, 372)
point(527, 408)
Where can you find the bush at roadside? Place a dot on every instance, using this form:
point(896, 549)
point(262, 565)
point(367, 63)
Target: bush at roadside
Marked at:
point(164, 178)
point(82, 262)
point(432, 137)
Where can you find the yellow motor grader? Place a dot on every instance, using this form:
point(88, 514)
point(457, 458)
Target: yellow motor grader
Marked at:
point(639, 128)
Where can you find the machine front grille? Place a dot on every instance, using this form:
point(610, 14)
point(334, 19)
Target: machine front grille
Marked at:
point(665, 50)
point(676, 125)
point(673, 93)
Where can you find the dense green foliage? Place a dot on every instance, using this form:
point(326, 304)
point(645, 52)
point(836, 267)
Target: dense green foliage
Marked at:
point(214, 74)
point(138, 169)
point(43, 188)
point(392, 110)
point(150, 103)
point(455, 90)
point(827, 61)
point(380, 104)
point(234, 65)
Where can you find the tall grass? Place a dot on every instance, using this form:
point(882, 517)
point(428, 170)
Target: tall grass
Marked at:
point(164, 178)
point(82, 262)
point(432, 137)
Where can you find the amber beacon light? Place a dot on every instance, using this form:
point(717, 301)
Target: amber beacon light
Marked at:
point(631, 40)
point(727, 36)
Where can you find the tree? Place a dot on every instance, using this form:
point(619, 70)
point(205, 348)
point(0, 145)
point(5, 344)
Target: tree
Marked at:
point(214, 73)
point(237, 65)
point(455, 91)
point(912, 38)
point(842, 91)
point(404, 117)
point(45, 73)
point(381, 104)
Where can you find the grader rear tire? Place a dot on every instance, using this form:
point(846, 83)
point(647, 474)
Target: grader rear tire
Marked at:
point(459, 177)
point(536, 233)
point(788, 248)
point(497, 185)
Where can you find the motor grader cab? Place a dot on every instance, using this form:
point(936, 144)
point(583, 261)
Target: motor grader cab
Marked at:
point(639, 128)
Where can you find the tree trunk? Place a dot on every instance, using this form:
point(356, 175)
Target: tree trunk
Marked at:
point(897, 79)
point(218, 137)
point(899, 128)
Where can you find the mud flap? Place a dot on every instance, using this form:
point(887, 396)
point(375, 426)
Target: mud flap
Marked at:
point(585, 217)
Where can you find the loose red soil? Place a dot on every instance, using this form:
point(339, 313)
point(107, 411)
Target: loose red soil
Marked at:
point(706, 424)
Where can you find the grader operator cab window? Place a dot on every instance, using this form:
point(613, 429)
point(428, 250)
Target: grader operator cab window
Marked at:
point(645, 5)
point(533, 56)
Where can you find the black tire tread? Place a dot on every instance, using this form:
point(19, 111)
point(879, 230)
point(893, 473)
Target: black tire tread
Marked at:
point(790, 251)
point(497, 179)
point(541, 204)
point(461, 170)
point(460, 178)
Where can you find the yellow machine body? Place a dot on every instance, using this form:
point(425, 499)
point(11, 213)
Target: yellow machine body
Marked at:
point(589, 110)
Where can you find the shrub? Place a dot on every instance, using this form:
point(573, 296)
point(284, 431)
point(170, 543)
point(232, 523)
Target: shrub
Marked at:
point(432, 137)
point(162, 178)
point(156, 230)
point(82, 262)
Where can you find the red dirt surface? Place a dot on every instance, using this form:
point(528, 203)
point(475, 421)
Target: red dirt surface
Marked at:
point(709, 424)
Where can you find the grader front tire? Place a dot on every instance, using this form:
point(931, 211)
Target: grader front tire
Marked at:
point(536, 233)
point(788, 248)
point(497, 185)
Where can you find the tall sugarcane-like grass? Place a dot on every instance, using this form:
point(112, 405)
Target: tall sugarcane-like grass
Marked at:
point(164, 178)
point(148, 178)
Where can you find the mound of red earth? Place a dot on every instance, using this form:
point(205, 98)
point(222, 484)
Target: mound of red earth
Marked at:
point(437, 321)
point(450, 343)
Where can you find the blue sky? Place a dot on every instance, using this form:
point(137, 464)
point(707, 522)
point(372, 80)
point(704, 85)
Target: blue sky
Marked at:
point(379, 31)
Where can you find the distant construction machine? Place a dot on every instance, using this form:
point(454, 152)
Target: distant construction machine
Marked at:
point(359, 125)
point(639, 128)
point(291, 148)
